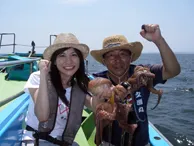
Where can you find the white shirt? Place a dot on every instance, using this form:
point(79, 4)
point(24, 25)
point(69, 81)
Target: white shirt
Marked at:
point(62, 110)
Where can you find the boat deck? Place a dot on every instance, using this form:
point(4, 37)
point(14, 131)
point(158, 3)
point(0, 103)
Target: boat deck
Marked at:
point(9, 88)
point(12, 119)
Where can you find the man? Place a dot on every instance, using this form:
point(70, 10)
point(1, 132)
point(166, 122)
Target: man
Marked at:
point(116, 55)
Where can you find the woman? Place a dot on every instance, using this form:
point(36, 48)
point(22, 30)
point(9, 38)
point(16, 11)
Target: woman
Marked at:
point(54, 91)
point(59, 93)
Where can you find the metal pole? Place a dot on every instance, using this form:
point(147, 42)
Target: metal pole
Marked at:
point(14, 43)
point(7, 100)
point(0, 40)
point(51, 38)
point(31, 67)
point(13, 63)
point(14, 37)
point(86, 66)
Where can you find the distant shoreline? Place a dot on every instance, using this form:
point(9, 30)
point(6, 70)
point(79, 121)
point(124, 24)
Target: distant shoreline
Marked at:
point(187, 53)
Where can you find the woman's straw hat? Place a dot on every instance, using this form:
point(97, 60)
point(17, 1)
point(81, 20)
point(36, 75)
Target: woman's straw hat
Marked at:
point(65, 40)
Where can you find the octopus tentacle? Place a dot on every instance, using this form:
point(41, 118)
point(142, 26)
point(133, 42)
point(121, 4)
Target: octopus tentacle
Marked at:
point(159, 92)
point(143, 77)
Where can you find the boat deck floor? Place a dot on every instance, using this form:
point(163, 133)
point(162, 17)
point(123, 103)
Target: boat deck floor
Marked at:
point(91, 139)
point(9, 88)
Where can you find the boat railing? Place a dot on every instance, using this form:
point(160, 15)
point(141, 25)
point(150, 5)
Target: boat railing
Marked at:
point(7, 100)
point(5, 64)
point(14, 44)
point(4, 55)
point(51, 36)
point(13, 63)
point(14, 37)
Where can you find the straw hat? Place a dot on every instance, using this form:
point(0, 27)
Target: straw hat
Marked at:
point(117, 42)
point(65, 40)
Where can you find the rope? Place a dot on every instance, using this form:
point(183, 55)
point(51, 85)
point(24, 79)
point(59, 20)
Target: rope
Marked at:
point(24, 45)
point(31, 46)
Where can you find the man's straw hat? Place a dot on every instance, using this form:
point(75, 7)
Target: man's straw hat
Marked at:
point(117, 42)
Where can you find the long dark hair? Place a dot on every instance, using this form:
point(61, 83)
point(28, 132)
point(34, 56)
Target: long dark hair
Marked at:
point(79, 76)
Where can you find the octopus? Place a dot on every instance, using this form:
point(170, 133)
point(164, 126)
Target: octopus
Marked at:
point(143, 77)
point(110, 108)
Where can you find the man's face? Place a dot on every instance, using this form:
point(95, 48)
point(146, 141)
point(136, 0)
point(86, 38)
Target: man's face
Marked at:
point(117, 61)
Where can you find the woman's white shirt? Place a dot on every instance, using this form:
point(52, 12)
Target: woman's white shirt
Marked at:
point(62, 109)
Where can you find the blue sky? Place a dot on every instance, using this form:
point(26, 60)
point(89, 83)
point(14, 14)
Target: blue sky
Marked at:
point(93, 20)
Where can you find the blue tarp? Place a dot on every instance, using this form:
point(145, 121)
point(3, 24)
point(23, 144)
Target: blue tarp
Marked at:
point(20, 72)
